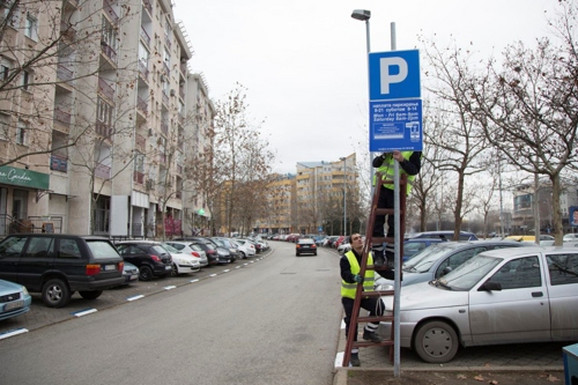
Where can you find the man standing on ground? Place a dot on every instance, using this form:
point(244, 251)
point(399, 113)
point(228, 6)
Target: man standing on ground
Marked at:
point(350, 265)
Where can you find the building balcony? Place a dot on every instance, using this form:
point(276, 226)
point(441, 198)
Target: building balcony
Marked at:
point(138, 177)
point(145, 37)
point(105, 87)
point(63, 73)
point(58, 163)
point(110, 11)
point(148, 6)
point(165, 128)
point(103, 129)
point(62, 117)
point(108, 51)
point(143, 69)
point(102, 171)
point(140, 142)
point(142, 105)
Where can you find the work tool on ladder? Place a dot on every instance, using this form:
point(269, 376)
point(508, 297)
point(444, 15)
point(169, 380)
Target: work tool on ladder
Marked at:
point(383, 270)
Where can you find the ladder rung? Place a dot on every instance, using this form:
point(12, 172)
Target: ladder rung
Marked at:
point(377, 293)
point(363, 344)
point(380, 240)
point(376, 318)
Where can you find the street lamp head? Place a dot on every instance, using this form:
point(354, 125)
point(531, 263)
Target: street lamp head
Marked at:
point(361, 14)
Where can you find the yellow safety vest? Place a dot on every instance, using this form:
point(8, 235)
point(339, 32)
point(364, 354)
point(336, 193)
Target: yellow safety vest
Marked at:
point(387, 171)
point(348, 290)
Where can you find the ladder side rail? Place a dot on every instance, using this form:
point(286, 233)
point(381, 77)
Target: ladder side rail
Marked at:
point(359, 292)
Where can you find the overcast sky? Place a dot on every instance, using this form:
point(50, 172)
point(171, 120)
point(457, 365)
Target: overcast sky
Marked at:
point(304, 65)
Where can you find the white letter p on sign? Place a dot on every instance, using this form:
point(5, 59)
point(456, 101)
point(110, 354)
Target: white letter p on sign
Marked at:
point(386, 79)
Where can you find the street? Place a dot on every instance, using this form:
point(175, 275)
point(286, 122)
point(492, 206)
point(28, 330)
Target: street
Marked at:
point(273, 321)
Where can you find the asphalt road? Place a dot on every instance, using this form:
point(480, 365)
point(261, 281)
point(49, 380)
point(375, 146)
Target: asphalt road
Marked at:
point(272, 320)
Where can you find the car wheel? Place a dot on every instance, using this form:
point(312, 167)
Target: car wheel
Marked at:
point(243, 255)
point(145, 273)
point(436, 342)
point(93, 294)
point(55, 293)
point(296, 254)
point(174, 270)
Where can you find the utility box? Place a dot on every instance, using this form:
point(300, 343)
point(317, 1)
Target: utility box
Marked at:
point(570, 356)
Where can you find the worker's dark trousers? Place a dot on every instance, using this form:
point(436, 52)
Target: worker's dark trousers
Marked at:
point(373, 305)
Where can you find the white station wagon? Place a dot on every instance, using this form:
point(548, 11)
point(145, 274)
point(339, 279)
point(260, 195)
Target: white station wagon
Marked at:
point(514, 295)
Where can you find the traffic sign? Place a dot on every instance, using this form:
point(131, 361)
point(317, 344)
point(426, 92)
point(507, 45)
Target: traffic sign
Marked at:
point(394, 75)
point(395, 108)
point(396, 125)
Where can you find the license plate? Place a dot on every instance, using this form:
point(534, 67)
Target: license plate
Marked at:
point(13, 305)
point(168, 267)
point(109, 267)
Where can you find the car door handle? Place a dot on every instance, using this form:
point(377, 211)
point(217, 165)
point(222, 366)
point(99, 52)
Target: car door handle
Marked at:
point(536, 294)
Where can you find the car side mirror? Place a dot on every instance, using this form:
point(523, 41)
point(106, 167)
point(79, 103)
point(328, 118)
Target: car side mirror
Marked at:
point(491, 286)
point(446, 270)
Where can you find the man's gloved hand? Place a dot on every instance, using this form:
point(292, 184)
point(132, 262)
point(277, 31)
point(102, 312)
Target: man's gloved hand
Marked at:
point(358, 278)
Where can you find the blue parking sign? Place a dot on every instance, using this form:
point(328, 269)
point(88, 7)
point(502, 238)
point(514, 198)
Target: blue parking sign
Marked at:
point(394, 75)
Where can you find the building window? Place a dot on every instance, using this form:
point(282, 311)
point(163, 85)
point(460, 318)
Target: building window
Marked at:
point(4, 126)
point(25, 80)
point(21, 133)
point(31, 27)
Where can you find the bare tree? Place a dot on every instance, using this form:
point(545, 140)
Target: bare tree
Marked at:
point(528, 106)
point(452, 129)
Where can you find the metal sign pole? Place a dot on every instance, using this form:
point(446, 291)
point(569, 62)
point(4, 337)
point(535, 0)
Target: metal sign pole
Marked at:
point(397, 275)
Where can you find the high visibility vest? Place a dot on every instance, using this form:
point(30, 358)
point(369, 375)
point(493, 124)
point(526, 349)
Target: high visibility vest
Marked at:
point(387, 171)
point(348, 290)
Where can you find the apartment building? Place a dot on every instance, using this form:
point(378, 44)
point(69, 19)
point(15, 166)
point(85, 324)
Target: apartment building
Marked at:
point(99, 119)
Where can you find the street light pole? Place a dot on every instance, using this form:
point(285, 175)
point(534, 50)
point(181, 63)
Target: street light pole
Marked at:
point(365, 15)
point(344, 159)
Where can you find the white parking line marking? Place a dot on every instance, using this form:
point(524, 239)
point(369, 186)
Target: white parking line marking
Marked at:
point(171, 287)
point(226, 270)
point(12, 333)
point(212, 275)
point(135, 297)
point(338, 359)
point(194, 280)
point(84, 312)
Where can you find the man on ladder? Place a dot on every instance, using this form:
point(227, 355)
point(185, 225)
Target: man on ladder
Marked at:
point(350, 265)
point(410, 162)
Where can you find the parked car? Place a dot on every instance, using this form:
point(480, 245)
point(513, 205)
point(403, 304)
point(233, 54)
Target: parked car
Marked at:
point(505, 296)
point(305, 246)
point(191, 248)
point(151, 258)
point(228, 244)
point(446, 235)
point(413, 246)
point(246, 248)
point(14, 300)
point(182, 263)
point(570, 237)
point(437, 260)
point(529, 240)
point(215, 254)
point(57, 265)
point(130, 273)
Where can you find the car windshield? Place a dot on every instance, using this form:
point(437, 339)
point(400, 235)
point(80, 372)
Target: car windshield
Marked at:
point(170, 248)
point(102, 250)
point(422, 261)
point(466, 275)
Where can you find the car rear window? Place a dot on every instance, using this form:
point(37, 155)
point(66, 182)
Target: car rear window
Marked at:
point(102, 250)
point(158, 249)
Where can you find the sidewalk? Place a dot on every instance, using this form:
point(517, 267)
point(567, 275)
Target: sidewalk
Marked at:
point(501, 358)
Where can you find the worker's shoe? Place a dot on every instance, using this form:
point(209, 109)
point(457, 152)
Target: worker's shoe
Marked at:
point(371, 336)
point(354, 360)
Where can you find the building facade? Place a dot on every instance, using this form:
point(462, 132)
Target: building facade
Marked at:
point(100, 124)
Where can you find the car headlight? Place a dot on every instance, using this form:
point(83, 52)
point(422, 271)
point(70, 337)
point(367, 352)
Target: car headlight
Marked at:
point(24, 291)
point(383, 287)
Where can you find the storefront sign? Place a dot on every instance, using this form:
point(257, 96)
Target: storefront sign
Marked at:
point(25, 178)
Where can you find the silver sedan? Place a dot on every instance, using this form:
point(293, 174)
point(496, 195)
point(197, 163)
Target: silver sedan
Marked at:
point(513, 295)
